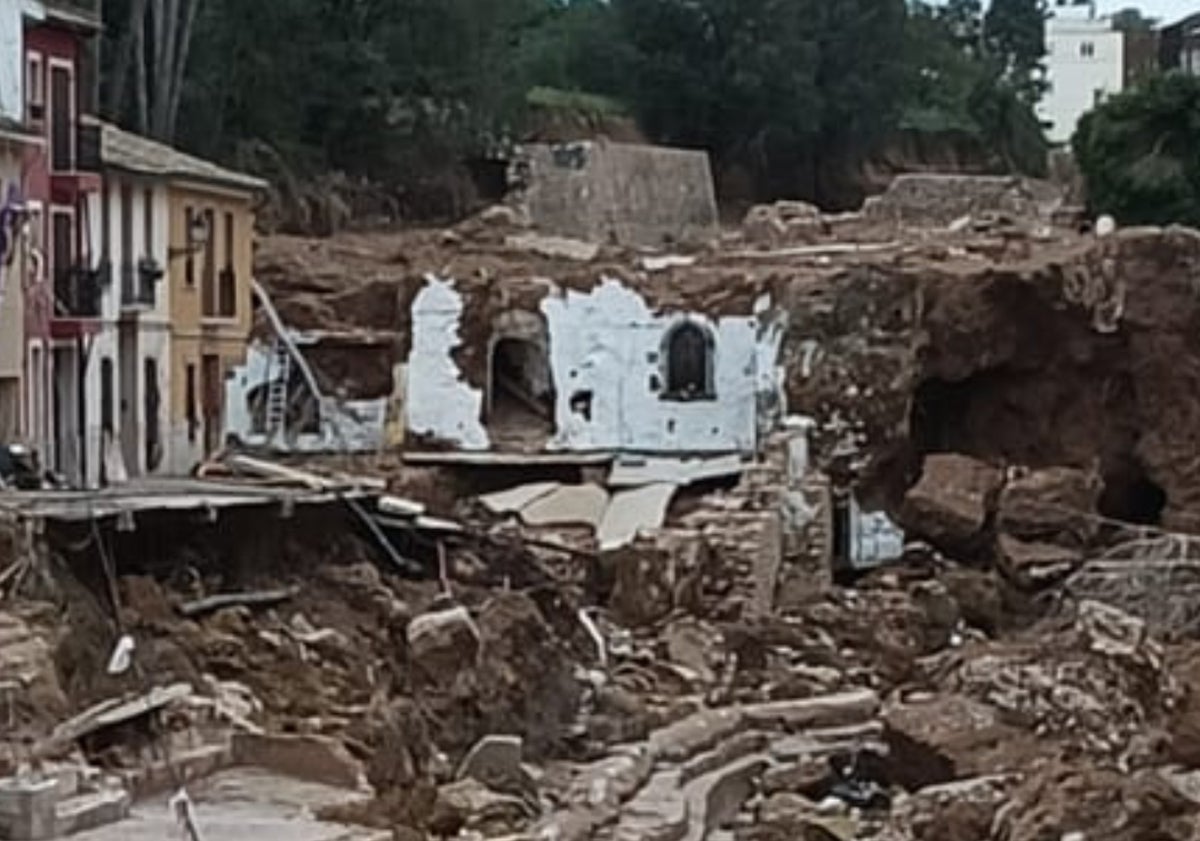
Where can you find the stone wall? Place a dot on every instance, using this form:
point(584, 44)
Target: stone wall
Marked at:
point(935, 199)
point(618, 193)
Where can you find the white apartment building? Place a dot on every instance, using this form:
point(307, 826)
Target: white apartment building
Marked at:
point(1085, 64)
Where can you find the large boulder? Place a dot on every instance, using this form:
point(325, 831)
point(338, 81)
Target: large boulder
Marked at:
point(1055, 505)
point(949, 505)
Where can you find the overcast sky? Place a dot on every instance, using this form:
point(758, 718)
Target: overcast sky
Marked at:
point(1168, 10)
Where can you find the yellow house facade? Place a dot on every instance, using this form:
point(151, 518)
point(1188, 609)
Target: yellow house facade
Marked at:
point(211, 307)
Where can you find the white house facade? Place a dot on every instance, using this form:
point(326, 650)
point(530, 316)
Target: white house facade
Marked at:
point(1085, 64)
point(128, 364)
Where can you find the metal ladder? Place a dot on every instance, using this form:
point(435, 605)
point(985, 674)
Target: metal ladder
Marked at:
point(280, 373)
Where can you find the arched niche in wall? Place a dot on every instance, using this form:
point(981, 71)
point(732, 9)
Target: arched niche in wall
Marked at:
point(519, 405)
point(688, 360)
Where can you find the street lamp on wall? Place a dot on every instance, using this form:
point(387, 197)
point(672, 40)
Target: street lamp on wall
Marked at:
point(198, 234)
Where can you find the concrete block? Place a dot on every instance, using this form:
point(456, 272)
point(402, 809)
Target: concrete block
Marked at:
point(27, 808)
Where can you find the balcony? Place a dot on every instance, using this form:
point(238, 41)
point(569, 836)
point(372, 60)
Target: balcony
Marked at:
point(77, 291)
point(139, 285)
point(81, 13)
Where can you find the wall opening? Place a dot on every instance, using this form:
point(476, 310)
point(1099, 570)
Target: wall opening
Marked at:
point(1132, 496)
point(520, 404)
point(688, 363)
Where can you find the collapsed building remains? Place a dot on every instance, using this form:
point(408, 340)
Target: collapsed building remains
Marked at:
point(867, 526)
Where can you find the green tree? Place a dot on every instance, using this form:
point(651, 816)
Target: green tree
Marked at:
point(796, 91)
point(1015, 36)
point(958, 88)
point(1137, 152)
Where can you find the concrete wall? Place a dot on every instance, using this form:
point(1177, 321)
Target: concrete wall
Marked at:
point(606, 351)
point(934, 199)
point(612, 192)
point(1084, 65)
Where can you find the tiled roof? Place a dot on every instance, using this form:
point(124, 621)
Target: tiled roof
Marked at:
point(134, 153)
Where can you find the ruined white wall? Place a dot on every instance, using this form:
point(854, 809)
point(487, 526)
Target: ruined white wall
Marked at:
point(606, 343)
point(438, 401)
point(348, 426)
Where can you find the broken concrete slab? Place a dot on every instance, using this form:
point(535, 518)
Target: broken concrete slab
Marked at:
point(627, 472)
point(117, 711)
point(717, 796)
point(514, 499)
point(495, 761)
point(552, 246)
point(309, 757)
point(698, 732)
point(949, 505)
point(659, 812)
point(821, 711)
point(629, 512)
point(568, 505)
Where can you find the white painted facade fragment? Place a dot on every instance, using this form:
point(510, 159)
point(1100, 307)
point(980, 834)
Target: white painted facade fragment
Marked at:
point(438, 401)
point(610, 363)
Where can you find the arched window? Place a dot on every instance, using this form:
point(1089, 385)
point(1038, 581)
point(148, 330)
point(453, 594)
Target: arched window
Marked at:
point(688, 362)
